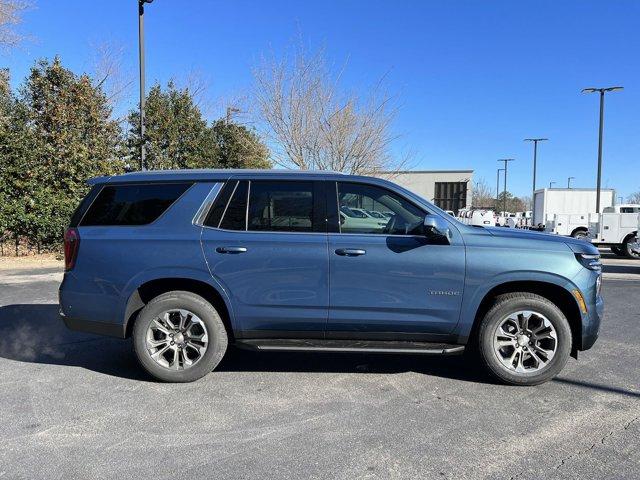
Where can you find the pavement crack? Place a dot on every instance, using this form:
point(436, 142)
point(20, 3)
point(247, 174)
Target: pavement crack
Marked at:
point(601, 441)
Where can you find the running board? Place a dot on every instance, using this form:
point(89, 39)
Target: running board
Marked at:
point(361, 346)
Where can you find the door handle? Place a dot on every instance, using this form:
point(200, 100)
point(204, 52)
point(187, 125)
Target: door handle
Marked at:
point(350, 252)
point(231, 249)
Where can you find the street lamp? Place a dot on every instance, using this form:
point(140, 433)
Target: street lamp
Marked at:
point(602, 91)
point(142, 89)
point(498, 186)
point(504, 200)
point(569, 181)
point(551, 184)
point(535, 158)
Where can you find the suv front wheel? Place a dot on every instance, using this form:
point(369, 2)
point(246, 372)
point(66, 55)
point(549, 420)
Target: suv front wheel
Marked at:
point(524, 339)
point(179, 337)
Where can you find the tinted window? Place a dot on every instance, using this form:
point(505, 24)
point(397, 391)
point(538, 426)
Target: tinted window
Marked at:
point(629, 209)
point(393, 214)
point(235, 217)
point(281, 206)
point(132, 204)
point(78, 213)
point(217, 209)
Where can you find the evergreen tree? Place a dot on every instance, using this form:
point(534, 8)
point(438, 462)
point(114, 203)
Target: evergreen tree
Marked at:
point(176, 134)
point(55, 135)
point(238, 147)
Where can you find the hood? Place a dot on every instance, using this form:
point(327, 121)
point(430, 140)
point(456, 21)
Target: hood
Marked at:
point(576, 245)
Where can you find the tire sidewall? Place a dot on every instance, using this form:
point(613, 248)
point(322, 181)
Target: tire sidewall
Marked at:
point(628, 251)
point(503, 309)
point(204, 310)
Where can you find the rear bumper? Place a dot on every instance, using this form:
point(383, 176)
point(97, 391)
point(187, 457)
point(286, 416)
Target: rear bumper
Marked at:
point(97, 328)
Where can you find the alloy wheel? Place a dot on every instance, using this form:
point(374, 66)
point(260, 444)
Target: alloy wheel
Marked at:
point(525, 342)
point(177, 339)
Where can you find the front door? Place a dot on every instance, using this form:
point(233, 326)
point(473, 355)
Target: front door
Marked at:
point(267, 246)
point(388, 280)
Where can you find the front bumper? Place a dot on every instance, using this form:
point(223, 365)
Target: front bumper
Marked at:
point(591, 324)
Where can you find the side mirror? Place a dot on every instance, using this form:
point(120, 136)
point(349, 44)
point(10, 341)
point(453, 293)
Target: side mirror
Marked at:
point(436, 227)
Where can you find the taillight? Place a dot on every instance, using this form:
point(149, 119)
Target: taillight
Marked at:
point(71, 246)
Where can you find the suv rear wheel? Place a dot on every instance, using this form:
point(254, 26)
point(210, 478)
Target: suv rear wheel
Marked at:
point(524, 339)
point(179, 337)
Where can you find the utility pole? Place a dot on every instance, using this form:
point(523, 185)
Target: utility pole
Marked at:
point(498, 186)
point(142, 74)
point(551, 184)
point(569, 181)
point(602, 91)
point(504, 199)
point(535, 158)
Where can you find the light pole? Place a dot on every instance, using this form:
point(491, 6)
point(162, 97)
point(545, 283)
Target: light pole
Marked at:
point(535, 158)
point(602, 91)
point(569, 181)
point(504, 200)
point(498, 186)
point(142, 89)
point(551, 184)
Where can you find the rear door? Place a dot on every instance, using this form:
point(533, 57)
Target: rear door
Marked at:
point(388, 280)
point(266, 243)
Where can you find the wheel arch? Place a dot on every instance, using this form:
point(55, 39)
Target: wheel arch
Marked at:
point(579, 229)
point(157, 286)
point(557, 294)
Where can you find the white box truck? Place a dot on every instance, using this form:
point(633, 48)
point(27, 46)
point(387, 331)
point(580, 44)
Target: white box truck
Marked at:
point(574, 206)
point(617, 227)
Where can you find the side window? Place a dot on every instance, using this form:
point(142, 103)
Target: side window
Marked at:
point(217, 209)
point(132, 204)
point(235, 216)
point(282, 206)
point(370, 209)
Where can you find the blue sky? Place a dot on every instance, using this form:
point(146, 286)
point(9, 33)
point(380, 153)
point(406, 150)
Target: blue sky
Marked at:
point(473, 78)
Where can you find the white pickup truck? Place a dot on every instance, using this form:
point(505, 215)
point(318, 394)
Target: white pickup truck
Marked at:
point(481, 217)
point(574, 225)
point(617, 228)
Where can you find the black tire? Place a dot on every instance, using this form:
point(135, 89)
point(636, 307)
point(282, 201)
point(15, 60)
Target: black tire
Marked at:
point(216, 332)
point(506, 305)
point(627, 250)
point(617, 250)
point(580, 235)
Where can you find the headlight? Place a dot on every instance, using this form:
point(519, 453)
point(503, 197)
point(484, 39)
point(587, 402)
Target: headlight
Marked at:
point(590, 261)
point(598, 284)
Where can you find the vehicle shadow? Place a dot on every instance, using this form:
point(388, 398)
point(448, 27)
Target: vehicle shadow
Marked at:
point(35, 333)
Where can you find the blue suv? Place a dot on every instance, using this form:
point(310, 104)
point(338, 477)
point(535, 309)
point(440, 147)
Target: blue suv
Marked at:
point(188, 262)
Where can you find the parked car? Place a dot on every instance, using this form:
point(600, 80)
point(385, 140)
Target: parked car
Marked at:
point(188, 262)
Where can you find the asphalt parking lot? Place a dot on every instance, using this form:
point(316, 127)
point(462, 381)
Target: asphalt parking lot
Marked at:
point(78, 406)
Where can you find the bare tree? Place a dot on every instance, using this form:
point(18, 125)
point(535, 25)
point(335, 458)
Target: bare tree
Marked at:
point(10, 16)
point(110, 76)
point(482, 195)
point(315, 125)
point(634, 198)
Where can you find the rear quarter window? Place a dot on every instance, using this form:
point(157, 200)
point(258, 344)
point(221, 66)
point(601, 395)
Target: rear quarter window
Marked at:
point(137, 204)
